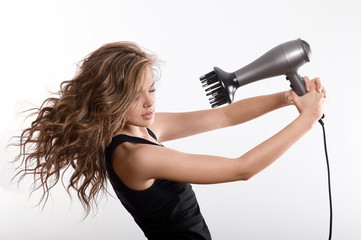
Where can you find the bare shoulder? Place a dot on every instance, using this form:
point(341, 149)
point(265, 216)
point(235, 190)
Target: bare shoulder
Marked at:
point(143, 161)
point(134, 153)
point(130, 164)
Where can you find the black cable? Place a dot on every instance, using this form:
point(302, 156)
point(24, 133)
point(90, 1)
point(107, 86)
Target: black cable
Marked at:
point(329, 177)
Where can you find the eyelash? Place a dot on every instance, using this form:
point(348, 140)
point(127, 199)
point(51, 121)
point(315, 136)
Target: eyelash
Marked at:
point(152, 90)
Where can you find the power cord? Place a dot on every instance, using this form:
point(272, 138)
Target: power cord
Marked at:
point(328, 175)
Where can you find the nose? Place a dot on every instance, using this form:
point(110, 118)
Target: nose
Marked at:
point(148, 101)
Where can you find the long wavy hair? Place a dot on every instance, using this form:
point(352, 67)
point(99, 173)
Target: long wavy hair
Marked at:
point(73, 129)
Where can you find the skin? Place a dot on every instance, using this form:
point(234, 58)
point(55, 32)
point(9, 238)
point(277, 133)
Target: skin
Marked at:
point(138, 165)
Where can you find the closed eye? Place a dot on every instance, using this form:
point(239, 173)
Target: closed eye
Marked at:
point(152, 88)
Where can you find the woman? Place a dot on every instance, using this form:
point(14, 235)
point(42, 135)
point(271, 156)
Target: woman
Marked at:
point(104, 125)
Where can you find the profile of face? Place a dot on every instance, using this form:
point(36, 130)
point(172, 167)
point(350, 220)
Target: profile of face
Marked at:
point(141, 112)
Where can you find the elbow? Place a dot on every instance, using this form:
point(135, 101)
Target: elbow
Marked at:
point(246, 176)
point(243, 175)
point(244, 170)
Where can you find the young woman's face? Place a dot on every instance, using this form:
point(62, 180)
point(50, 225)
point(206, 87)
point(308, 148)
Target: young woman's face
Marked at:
point(141, 113)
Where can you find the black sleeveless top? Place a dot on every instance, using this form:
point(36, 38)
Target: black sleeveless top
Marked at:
point(166, 210)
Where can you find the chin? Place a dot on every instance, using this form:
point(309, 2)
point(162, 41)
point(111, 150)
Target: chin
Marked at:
point(147, 123)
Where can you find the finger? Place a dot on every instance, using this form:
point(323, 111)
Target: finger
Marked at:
point(307, 83)
point(320, 87)
point(324, 92)
point(293, 97)
point(290, 97)
point(318, 84)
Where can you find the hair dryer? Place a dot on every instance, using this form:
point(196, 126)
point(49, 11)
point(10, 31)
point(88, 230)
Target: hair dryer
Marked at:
point(284, 59)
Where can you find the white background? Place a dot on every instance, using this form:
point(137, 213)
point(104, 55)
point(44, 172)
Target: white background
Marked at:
point(42, 41)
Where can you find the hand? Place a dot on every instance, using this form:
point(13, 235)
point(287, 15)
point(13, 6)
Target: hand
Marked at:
point(316, 82)
point(311, 104)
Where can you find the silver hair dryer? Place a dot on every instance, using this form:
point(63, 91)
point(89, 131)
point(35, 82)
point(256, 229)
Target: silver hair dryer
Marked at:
point(284, 59)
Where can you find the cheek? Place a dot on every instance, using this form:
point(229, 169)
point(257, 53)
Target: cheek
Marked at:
point(153, 98)
point(133, 110)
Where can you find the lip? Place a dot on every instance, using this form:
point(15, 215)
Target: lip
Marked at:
point(149, 115)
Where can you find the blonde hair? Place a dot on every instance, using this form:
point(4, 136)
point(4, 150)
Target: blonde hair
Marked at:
point(73, 130)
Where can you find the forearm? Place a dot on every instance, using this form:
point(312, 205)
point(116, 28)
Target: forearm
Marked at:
point(267, 152)
point(250, 108)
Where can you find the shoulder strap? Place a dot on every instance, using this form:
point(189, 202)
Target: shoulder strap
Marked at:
point(152, 134)
point(121, 138)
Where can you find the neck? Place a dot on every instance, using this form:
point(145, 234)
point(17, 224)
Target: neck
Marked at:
point(135, 131)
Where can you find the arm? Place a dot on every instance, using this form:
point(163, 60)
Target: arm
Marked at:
point(144, 163)
point(248, 109)
point(169, 126)
point(147, 162)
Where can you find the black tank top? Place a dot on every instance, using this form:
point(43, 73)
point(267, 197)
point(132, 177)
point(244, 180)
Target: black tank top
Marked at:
point(166, 210)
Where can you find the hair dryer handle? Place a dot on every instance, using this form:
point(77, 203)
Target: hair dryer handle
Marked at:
point(297, 83)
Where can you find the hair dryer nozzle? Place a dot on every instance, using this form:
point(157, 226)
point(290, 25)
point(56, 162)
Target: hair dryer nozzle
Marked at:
point(221, 86)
